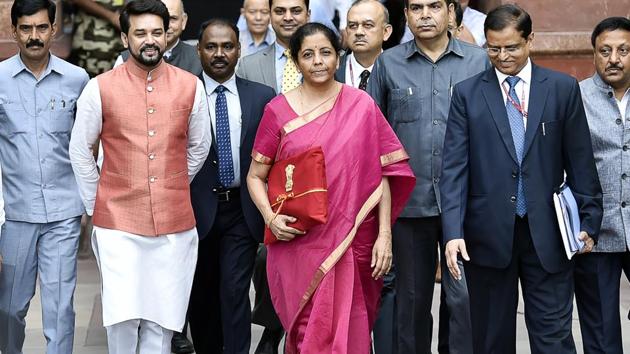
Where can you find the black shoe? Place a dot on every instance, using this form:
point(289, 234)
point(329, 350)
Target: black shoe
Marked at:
point(269, 341)
point(181, 345)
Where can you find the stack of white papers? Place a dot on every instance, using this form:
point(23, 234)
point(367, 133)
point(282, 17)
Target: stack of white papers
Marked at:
point(568, 216)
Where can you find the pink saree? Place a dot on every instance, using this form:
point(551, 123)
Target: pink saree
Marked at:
point(321, 283)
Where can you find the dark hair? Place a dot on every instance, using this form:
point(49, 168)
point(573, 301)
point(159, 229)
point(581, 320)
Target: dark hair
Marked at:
point(459, 13)
point(305, 3)
point(448, 2)
point(141, 7)
point(508, 15)
point(610, 24)
point(385, 10)
point(218, 21)
point(310, 29)
point(30, 7)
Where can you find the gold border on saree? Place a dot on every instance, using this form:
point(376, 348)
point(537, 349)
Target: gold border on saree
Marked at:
point(258, 157)
point(393, 157)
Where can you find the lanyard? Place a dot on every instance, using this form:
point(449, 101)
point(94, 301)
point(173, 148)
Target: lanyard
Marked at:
point(351, 71)
point(519, 107)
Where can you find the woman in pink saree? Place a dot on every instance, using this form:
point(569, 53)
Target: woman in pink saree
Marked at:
point(326, 283)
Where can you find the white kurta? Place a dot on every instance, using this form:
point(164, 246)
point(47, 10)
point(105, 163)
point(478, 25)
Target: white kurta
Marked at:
point(143, 277)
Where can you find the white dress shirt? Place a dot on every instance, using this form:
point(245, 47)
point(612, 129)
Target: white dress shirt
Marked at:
point(323, 11)
point(473, 20)
point(521, 89)
point(354, 70)
point(87, 129)
point(234, 116)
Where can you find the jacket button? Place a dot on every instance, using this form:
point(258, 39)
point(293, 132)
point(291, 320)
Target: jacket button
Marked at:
point(623, 204)
point(214, 190)
point(150, 88)
point(436, 179)
point(214, 162)
point(513, 198)
point(618, 121)
point(625, 148)
point(624, 176)
point(514, 175)
point(151, 132)
point(151, 156)
point(152, 179)
point(151, 110)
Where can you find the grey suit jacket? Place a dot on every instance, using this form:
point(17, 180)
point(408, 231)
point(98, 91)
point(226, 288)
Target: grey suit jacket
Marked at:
point(609, 133)
point(260, 67)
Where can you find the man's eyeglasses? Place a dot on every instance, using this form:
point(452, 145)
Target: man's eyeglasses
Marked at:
point(510, 49)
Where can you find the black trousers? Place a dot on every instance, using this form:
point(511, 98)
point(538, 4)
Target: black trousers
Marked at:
point(597, 280)
point(384, 330)
point(219, 310)
point(263, 314)
point(494, 298)
point(415, 253)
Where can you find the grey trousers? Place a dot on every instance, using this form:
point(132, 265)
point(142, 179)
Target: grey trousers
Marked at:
point(50, 251)
point(138, 336)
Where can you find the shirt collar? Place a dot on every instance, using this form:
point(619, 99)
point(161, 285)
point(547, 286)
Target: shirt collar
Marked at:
point(599, 82)
point(212, 84)
point(53, 65)
point(454, 46)
point(525, 74)
point(136, 70)
point(169, 52)
point(269, 38)
point(279, 50)
point(357, 65)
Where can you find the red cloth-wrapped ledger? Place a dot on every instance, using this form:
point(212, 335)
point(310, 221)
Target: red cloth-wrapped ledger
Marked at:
point(297, 187)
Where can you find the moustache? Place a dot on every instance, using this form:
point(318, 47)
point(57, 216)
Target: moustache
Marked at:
point(34, 43)
point(219, 61)
point(614, 66)
point(150, 46)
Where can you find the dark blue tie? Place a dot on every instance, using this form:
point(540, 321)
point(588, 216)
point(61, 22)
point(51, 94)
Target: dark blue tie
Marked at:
point(517, 124)
point(226, 169)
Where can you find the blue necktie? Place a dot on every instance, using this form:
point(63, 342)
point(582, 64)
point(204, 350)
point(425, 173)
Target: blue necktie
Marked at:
point(226, 169)
point(515, 116)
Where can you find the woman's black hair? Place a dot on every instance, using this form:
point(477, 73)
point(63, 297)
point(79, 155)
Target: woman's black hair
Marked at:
point(309, 29)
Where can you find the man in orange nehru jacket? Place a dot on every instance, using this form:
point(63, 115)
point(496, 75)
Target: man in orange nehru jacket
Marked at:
point(152, 119)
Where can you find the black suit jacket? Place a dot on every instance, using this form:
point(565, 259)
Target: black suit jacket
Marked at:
point(480, 168)
point(253, 97)
point(340, 74)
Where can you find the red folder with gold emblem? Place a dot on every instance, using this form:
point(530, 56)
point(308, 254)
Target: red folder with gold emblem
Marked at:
point(297, 187)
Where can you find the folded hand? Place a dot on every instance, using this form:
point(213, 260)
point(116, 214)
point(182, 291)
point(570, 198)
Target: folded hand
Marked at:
point(281, 230)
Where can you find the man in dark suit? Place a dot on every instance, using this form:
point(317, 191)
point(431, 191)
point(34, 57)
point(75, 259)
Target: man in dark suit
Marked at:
point(368, 27)
point(228, 223)
point(513, 131)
